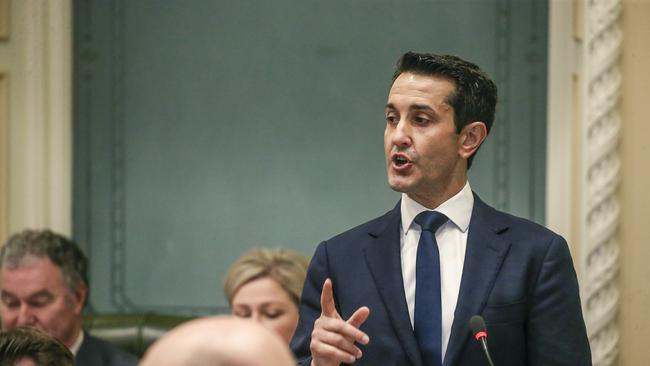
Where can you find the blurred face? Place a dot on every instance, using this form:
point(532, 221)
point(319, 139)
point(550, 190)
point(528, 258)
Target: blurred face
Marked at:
point(27, 361)
point(35, 294)
point(422, 148)
point(219, 340)
point(266, 302)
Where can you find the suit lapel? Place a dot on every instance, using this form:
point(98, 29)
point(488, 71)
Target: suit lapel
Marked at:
point(383, 257)
point(484, 255)
point(87, 353)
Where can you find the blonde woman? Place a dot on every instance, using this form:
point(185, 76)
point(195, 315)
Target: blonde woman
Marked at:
point(265, 285)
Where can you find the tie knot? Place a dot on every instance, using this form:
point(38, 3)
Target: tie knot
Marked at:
point(430, 220)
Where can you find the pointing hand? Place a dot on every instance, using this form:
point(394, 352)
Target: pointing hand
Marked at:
point(333, 339)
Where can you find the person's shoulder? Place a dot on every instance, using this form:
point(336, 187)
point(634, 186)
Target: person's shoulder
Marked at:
point(110, 354)
point(512, 225)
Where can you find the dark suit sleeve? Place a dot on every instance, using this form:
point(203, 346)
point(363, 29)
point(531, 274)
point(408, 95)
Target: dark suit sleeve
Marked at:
point(310, 304)
point(555, 329)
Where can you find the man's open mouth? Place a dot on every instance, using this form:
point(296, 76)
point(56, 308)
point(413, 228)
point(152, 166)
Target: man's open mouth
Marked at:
point(400, 160)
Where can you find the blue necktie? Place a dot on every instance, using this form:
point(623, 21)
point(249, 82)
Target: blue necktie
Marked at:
point(428, 310)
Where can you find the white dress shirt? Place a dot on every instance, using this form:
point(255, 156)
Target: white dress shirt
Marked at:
point(77, 344)
point(452, 242)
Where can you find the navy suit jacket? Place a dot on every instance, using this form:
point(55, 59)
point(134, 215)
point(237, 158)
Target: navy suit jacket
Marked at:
point(517, 274)
point(96, 352)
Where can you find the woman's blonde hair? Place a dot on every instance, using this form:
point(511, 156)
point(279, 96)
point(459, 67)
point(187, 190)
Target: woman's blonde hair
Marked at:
point(286, 267)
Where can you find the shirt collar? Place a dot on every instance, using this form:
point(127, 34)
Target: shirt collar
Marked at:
point(77, 344)
point(458, 209)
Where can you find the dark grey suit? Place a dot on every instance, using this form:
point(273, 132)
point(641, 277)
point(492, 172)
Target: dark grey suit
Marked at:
point(96, 352)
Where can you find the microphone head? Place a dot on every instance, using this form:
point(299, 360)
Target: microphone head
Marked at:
point(478, 327)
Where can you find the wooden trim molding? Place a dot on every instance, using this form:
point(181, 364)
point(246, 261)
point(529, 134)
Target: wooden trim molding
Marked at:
point(42, 131)
point(4, 166)
point(562, 61)
point(4, 20)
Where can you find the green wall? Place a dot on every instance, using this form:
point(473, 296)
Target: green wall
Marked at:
point(205, 128)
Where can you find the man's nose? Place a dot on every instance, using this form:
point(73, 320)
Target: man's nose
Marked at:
point(25, 316)
point(401, 134)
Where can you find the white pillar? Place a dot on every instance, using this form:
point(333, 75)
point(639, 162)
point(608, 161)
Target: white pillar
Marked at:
point(600, 89)
point(582, 158)
point(40, 159)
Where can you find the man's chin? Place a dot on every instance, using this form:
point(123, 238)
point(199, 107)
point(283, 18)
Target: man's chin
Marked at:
point(398, 185)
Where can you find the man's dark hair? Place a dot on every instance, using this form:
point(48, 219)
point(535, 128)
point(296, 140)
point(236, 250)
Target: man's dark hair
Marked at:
point(475, 97)
point(30, 343)
point(62, 251)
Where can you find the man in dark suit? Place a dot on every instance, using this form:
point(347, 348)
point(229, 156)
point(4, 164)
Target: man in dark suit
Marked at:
point(44, 284)
point(401, 289)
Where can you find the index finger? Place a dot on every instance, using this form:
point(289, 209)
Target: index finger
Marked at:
point(344, 329)
point(327, 301)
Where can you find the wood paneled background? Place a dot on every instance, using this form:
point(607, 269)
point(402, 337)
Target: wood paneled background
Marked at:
point(205, 128)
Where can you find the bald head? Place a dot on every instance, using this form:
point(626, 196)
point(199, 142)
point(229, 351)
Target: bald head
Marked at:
point(219, 341)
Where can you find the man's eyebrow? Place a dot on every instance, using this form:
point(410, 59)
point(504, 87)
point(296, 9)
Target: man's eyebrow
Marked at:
point(420, 107)
point(5, 293)
point(41, 293)
point(413, 107)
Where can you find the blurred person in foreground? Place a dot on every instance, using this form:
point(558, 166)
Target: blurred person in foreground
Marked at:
point(44, 284)
point(219, 341)
point(400, 290)
point(27, 346)
point(265, 285)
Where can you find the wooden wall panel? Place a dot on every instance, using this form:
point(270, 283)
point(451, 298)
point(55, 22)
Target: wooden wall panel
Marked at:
point(204, 128)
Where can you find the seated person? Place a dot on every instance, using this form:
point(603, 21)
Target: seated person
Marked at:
point(265, 285)
point(219, 341)
point(27, 346)
point(44, 284)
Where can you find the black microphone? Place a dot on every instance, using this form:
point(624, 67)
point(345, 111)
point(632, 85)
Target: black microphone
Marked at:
point(480, 334)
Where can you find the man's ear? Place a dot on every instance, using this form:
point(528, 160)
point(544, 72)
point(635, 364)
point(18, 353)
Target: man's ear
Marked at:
point(80, 297)
point(470, 138)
